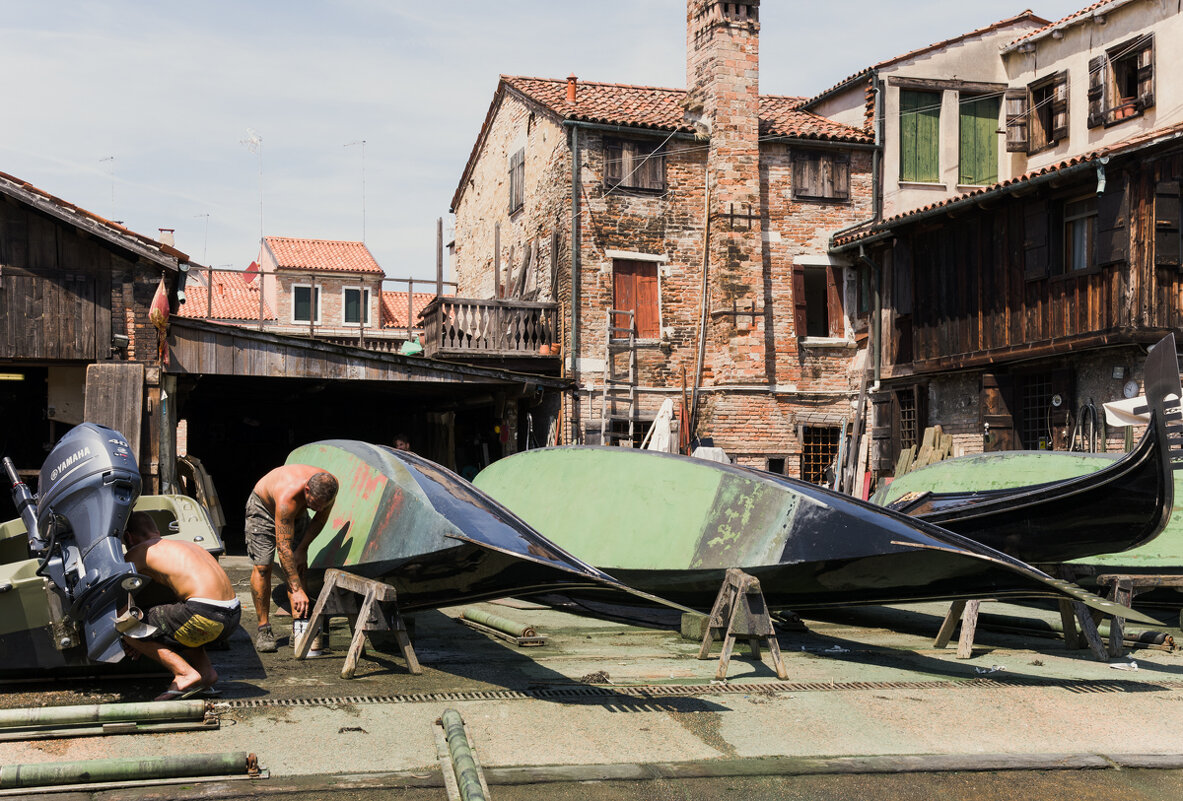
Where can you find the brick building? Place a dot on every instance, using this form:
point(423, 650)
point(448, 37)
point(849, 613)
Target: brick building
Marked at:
point(703, 214)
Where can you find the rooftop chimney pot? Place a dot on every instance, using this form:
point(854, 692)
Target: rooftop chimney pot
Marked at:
point(571, 81)
point(167, 238)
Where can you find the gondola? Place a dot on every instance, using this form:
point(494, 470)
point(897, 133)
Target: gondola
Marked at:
point(672, 525)
point(1122, 505)
point(411, 523)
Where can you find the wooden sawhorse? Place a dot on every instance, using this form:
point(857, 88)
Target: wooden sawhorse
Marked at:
point(377, 610)
point(740, 611)
point(1124, 587)
point(1071, 613)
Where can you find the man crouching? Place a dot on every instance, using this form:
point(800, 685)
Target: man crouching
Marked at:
point(175, 635)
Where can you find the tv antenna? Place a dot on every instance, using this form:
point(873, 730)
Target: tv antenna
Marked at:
point(111, 173)
point(362, 142)
point(254, 143)
point(205, 240)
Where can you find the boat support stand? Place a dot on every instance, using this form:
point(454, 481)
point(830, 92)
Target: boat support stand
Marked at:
point(740, 611)
point(376, 610)
point(1071, 613)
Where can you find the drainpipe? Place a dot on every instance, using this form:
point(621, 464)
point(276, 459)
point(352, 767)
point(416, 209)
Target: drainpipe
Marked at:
point(1101, 162)
point(692, 424)
point(876, 317)
point(575, 236)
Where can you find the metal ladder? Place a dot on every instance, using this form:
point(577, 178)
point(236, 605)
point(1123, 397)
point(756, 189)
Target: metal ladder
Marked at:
point(619, 401)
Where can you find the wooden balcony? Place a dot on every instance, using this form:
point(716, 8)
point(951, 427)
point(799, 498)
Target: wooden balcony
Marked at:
point(466, 329)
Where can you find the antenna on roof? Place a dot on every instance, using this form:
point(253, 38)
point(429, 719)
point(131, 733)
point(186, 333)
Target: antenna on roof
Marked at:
point(362, 142)
point(205, 240)
point(254, 143)
point(111, 172)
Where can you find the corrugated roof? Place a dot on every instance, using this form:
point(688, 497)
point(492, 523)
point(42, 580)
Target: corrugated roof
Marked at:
point(325, 255)
point(233, 299)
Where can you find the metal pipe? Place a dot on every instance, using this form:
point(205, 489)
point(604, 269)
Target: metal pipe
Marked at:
point(575, 276)
point(106, 770)
point(500, 623)
point(101, 713)
point(704, 299)
point(460, 752)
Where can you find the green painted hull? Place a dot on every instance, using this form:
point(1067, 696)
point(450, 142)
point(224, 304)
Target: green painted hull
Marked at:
point(672, 526)
point(1012, 469)
point(432, 535)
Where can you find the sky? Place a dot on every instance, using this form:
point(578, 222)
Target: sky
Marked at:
point(353, 119)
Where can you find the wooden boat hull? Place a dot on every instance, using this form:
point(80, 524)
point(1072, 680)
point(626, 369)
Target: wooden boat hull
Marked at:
point(433, 536)
point(672, 525)
point(1118, 506)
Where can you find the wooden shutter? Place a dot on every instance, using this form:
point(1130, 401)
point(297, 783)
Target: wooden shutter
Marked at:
point(1167, 225)
point(920, 120)
point(997, 392)
point(1146, 73)
point(800, 307)
point(1113, 211)
point(1035, 239)
point(979, 141)
point(624, 294)
point(1096, 94)
point(648, 319)
point(882, 431)
point(517, 174)
point(1016, 121)
point(613, 162)
point(806, 175)
point(841, 176)
point(1059, 107)
point(834, 292)
point(652, 172)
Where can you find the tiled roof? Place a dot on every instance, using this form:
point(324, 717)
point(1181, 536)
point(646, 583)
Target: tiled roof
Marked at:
point(1075, 16)
point(1026, 15)
point(233, 299)
point(657, 108)
point(394, 308)
point(80, 217)
point(327, 255)
point(663, 109)
point(1145, 139)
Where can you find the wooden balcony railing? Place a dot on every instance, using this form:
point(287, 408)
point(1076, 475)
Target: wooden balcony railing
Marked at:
point(473, 328)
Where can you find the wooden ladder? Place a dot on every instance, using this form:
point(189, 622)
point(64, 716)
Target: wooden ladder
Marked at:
point(619, 402)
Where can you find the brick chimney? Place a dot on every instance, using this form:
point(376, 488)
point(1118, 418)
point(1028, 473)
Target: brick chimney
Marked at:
point(571, 83)
point(723, 98)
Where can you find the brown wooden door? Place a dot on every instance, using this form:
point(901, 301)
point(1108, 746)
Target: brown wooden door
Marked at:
point(115, 398)
point(635, 289)
point(998, 423)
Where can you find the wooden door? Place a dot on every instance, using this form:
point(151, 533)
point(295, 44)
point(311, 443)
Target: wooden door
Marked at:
point(115, 398)
point(998, 422)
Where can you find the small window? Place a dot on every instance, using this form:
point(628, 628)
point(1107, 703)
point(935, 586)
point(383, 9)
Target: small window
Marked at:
point(821, 175)
point(517, 180)
point(634, 165)
point(306, 304)
point(776, 464)
point(1080, 234)
point(818, 297)
point(634, 285)
point(819, 454)
point(920, 136)
point(1121, 82)
point(356, 306)
point(1037, 117)
point(979, 141)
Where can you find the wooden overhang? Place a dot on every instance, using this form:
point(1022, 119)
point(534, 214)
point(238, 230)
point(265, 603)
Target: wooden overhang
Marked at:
point(198, 347)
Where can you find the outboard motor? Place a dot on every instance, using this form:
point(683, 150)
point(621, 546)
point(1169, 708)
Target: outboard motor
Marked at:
point(87, 488)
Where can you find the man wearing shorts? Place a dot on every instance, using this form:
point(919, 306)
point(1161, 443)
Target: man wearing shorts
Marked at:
point(277, 521)
point(207, 610)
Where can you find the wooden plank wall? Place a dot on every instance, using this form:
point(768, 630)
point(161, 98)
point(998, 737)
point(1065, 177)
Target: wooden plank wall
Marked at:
point(972, 294)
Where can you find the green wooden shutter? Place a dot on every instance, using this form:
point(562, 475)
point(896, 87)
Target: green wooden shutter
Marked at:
point(920, 128)
point(979, 141)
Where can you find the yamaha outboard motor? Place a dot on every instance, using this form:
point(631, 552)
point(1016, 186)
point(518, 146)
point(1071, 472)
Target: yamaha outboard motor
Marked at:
point(86, 491)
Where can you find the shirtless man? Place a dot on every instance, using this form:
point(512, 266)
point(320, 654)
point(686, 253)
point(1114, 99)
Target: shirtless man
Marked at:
point(277, 520)
point(175, 635)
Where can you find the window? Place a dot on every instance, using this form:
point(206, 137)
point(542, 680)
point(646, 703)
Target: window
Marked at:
point(1037, 116)
point(634, 285)
point(305, 304)
point(819, 453)
point(819, 175)
point(817, 294)
point(920, 135)
point(1121, 82)
point(979, 141)
point(1168, 224)
point(356, 306)
point(633, 165)
point(517, 180)
point(1080, 234)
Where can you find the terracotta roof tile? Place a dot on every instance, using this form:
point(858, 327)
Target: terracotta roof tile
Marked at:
point(233, 299)
point(1026, 15)
point(1171, 132)
point(663, 109)
point(1075, 15)
point(322, 254)
point(394, 308)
